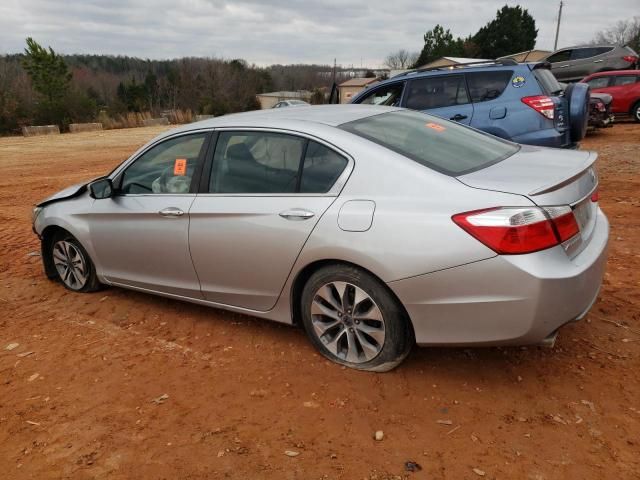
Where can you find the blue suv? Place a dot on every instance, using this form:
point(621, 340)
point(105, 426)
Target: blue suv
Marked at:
point(521, 102)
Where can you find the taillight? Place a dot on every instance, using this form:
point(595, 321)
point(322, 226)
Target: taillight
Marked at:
point(595, 196)
point(564, 221)
point(630, 58)
point(512, 230)
point(540, 103)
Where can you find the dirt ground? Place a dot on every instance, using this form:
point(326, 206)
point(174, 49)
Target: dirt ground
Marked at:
point(77, 392)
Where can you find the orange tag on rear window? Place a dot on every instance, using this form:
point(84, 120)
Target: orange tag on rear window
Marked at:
point(180, 167)
point(436, 127)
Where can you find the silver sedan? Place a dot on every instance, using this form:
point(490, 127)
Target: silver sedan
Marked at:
point(374, 228)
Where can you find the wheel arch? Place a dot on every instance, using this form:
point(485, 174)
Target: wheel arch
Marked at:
point(305, 273)
point(46, 242)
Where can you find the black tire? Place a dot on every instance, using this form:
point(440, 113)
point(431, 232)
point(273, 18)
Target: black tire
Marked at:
point(398, 334)
point(577, 95)
point(635, 111)
point(91, 284)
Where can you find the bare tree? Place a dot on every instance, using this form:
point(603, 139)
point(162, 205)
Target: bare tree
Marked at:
point(400, 59)
point(624, 32)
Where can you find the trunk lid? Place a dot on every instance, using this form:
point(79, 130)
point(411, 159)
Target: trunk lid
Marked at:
point(548, 177)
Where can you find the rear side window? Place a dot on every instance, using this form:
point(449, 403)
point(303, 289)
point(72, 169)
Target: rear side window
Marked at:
point(256, 162)
point(484, 86)
point(443, 146)
point(322, 167)
point(436, 92)
point(580, 53)
point(624, 80)
point(599, 82)
point(562, 56)
point(547, 81)
point(388, 95)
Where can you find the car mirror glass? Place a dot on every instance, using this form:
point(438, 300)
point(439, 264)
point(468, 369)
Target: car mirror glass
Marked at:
point(100, 189)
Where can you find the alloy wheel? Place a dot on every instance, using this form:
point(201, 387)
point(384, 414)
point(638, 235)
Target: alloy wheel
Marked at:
point(70, 264)
point(348, 322)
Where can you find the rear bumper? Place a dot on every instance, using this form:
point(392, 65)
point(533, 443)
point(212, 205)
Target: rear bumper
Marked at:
point(506, 300)
point(549, 137)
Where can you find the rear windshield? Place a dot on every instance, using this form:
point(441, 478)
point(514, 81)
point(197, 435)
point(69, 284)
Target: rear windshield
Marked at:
point(547, 81)
point(444, 146)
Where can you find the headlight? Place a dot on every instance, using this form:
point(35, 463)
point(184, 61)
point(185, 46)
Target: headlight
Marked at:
point(35, 213)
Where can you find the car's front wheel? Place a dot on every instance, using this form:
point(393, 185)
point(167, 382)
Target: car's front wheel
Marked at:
point(635, 112)
point(72, 263)
point(354, 320)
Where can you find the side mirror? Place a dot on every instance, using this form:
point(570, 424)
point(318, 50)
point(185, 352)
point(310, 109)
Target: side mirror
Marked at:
point(102, 188)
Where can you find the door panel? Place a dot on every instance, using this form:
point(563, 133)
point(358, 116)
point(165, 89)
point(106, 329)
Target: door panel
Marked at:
point(243, 249)
point(138, 246)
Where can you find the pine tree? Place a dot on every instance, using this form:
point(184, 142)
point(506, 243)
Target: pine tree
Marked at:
point(50, 77)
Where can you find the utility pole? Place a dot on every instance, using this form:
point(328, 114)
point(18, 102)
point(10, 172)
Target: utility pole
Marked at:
point(555, 44)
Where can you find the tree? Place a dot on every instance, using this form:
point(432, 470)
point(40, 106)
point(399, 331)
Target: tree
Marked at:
point(624, 32)
point(400, 59)
point(439, 43)
point(513, 30)
point(50, 77)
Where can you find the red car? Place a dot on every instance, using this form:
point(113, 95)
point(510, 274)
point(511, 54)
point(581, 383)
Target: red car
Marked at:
point(623, 86)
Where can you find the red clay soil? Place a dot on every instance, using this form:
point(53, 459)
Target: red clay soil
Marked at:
point(234, 393)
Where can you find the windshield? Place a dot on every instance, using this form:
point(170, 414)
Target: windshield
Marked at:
point(433, 142)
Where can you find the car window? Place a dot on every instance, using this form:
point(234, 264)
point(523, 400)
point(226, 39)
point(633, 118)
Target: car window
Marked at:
point(599, 82)
point(387, 95)
point(443, 146)
point(547, 81)
point(322, 167)
point(256, 162)
point(580, 53)
point(436, 92)
point(624, 80)
point(485, 86)
point(561, 56)
point(165, 168)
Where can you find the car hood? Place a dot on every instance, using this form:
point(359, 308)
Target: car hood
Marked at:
point(69, 192)
point(547, 176)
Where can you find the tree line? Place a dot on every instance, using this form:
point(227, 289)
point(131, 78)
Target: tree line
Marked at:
point(40, 86)
point(512, 30)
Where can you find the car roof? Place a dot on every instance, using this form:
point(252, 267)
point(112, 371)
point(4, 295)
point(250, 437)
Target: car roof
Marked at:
point(448, 70)
point(331, 115)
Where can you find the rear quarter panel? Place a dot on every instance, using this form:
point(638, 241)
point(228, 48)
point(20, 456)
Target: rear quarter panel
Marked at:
point(412, 232)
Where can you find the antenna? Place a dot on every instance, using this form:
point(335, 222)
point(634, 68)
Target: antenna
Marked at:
point(555, 43)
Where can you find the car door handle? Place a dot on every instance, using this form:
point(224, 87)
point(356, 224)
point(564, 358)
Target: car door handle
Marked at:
point(297, 214)
point(563, 66)
point(598, 61)
point(457, 117)
point(171, 212)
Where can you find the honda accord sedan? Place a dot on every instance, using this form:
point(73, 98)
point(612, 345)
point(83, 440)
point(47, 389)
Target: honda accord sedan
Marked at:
point(374, 228)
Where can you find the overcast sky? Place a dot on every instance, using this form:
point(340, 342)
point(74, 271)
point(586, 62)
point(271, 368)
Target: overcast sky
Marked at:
point(279, 31)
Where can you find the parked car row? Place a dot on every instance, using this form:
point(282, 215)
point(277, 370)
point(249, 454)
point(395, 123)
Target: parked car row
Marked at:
point(523, 102)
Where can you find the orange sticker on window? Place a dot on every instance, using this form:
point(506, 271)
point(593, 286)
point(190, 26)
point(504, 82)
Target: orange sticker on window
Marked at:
point(436, 127)
point(180, 167)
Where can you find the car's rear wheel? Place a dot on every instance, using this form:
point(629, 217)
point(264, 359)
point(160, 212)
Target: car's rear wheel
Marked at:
point(635, 112)
point(354, 320)
point(74, 268)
